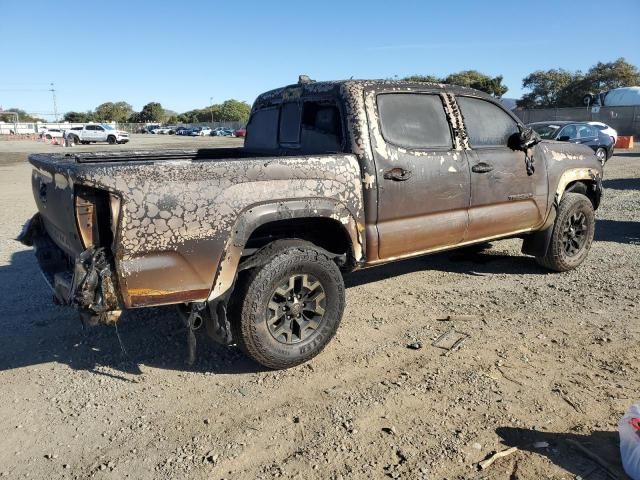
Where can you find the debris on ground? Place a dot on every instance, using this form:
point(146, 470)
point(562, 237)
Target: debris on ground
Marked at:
point(487, 462)
point(450, 341)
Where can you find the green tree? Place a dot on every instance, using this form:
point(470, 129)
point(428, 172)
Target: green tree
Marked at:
point(480, 81)
point(23, 116)
point(547, 87)
point(79, 117)
point(234, 111)
point(113, 112)
point(423, 78)
point(151, 112)
point(467, 78)
point(562, 88)
point(616, 74)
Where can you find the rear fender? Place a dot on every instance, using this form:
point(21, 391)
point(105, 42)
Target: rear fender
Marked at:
point(253, 217)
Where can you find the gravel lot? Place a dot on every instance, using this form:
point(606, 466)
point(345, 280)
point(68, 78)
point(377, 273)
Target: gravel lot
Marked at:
point(550, 358)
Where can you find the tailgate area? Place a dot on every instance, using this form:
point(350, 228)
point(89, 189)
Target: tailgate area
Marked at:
point(54, 197)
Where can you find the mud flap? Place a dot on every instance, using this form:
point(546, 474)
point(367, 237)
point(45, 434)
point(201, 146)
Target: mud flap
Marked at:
point(538, 243)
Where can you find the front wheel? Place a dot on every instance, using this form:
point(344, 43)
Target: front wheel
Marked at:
point(111, 140)
point(288, 309)
point(601, 153)
point(572, 234)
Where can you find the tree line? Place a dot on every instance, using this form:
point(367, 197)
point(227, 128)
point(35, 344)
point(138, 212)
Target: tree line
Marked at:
point(122, 112)
point(548, 88)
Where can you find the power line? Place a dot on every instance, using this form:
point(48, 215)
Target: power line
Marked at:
point(23, 90)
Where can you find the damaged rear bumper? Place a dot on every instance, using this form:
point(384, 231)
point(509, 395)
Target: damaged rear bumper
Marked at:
point(85, 282)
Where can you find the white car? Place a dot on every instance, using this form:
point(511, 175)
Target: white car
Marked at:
point(200, 132)
point(94, 132)
point(164, 130)
point(606, 129)
point(52, 133)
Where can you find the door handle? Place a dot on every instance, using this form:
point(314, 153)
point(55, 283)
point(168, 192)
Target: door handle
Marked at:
point(398, 174)
point(481, 168)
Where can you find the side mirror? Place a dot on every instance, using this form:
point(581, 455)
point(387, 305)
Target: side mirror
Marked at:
point(564, 138)
point(524, 139)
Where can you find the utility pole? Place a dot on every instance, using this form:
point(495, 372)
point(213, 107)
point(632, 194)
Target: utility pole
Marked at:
point(211, 109)
point(55, 106)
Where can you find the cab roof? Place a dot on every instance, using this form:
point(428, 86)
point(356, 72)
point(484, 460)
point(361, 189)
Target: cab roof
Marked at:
point(335, 87)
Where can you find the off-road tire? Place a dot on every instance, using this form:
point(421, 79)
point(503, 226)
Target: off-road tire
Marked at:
point(254, 291)
point(556, 258)
point(75, 140)
point(48, 137)
point(111, 140)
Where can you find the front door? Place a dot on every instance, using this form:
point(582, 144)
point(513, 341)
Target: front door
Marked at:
point(100, 134)
point(423, 181)
point(504, 197)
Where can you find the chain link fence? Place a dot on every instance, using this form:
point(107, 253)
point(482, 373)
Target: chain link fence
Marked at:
point(626, 120)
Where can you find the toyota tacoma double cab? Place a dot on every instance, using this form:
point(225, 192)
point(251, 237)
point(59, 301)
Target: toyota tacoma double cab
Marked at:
point(94, 132)
point(251, 243)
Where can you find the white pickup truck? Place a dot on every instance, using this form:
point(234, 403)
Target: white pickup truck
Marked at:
point(97, 133)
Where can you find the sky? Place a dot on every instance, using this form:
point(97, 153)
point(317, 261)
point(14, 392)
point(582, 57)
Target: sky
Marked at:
point(182, 54)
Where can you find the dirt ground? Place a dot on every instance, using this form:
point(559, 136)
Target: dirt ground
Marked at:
point(549, 359)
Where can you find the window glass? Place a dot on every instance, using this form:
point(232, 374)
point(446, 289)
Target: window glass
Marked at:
point(585, 131)
point(90, 127)
point(290, 114)
point(487, 124)
point(569, 131)
point(262, 130)
point(414, 120)
point(321, 128)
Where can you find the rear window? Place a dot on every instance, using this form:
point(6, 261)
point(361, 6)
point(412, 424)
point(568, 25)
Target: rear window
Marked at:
point(415, 121)
point(262, 130)
point(304, 126)
point(487, 124)
point(290, 115)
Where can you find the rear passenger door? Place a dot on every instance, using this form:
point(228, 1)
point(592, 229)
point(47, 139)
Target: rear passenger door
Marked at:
point(423, 182)
point(504, 198)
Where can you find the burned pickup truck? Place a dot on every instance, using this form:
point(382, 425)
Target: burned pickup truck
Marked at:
point(252, 242)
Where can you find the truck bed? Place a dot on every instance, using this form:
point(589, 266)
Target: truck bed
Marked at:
point(166, 219)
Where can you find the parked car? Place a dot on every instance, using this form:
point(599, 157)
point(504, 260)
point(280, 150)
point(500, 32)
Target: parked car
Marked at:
point(240, 132)
point(181, 130)
point(606, 129)
point(164, 130)
point(577, 132)
point(252, 242)
point(148, 128)
point(200, 131)
point(221, 132)
point(52, 133)
point(94, 132)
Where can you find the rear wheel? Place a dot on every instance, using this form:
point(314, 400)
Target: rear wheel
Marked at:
point(75, 140)
point(48, 137)
point(288, 309)
point(601, 153)
point(111, 140)
point(572, 234)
